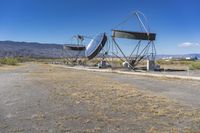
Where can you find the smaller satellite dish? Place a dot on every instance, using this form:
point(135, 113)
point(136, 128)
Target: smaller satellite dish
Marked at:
point(95, 45)
point(74, 47)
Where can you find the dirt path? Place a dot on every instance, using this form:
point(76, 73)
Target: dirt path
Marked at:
point(41, 98)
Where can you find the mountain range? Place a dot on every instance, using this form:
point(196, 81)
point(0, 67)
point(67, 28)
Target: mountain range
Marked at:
point(33, 49)
point(42, 50)
point(193, 55)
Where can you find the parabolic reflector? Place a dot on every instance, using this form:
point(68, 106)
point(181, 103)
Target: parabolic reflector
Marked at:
point(95, 45)
point(134, 35)
point(74, 47)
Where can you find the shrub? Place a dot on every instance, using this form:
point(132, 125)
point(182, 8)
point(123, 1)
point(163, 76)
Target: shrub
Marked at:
point(9, 61)
point(194, 65)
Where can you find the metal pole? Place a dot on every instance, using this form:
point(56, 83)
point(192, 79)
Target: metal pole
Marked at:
point(122, 52)
point(138, 17)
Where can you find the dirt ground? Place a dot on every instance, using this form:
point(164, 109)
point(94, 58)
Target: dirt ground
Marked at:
point(42, 98)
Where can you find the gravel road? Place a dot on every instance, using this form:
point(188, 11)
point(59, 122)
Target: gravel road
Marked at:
point(22, 101)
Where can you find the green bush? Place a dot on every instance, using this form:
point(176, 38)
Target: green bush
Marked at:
point(9, 61)
point(194, 65)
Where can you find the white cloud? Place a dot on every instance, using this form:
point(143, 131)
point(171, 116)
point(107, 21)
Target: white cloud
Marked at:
point(189, 44)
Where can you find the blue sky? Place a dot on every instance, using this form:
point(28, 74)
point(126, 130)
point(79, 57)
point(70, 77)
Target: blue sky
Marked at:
point(176, 22)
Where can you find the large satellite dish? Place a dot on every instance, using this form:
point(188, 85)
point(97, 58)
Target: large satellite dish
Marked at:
point(95, 45)
point(144, 49)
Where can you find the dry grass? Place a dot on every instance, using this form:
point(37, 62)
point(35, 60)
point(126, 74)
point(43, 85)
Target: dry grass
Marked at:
point(113, 106)
point(181, 64)
point(11, 68)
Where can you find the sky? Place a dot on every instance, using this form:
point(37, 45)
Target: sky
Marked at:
point(176, 22)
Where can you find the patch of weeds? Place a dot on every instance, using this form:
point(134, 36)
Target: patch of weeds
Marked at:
point(9, 61)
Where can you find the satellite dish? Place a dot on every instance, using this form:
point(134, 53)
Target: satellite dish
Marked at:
point(134, 35)
point(95, 45)
point(74, 47)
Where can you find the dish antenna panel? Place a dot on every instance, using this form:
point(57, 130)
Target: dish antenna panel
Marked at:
point(95, 46)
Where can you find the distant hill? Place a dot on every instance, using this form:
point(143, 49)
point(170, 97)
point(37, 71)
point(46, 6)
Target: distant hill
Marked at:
point(179, 56)
point(32, 49)
point(41, 50)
